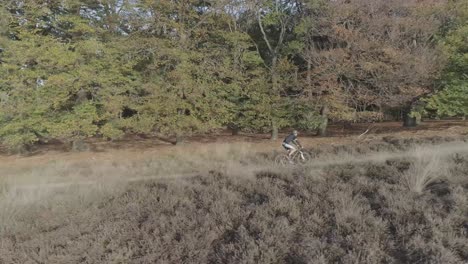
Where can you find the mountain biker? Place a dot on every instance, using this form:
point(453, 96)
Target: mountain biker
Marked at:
point(291, 144)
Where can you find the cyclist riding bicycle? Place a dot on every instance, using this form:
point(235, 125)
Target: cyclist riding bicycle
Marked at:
point(291, 144)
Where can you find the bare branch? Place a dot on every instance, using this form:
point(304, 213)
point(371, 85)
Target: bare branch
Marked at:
point(259, 18)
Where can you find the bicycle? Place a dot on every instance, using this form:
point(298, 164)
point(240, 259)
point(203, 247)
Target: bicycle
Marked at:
point(299, 157)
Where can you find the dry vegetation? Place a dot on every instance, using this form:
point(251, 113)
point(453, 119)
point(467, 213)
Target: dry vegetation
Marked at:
point(382, 202)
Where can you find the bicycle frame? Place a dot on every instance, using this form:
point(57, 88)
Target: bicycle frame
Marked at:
point(299, 156)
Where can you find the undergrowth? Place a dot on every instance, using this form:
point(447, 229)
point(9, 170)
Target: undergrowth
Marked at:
point(372, 211)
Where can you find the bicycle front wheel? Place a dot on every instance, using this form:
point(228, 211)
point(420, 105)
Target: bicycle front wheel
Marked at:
point(302, 158)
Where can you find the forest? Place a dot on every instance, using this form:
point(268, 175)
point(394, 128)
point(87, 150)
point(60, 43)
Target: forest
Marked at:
point(72, 70)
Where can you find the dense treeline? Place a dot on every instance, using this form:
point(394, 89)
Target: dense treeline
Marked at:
point(77, 69)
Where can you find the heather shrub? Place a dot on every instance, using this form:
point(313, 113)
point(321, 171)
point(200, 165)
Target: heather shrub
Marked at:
point(351, 212)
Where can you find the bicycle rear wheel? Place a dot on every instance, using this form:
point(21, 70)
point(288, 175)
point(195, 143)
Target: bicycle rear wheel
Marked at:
point(282, 160)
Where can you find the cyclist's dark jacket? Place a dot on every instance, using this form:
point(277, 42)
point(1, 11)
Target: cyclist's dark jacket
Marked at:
point(290, 139)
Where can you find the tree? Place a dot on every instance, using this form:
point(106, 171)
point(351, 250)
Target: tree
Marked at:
point(105, 68)
point(63, 81)
point(452, 98)
point(274, 25)
point(311, 42)
point(374, 55)
point(191, 67)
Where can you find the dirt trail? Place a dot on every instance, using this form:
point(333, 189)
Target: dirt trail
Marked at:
point(59, 170)
point(442, 150)
point(138, 148)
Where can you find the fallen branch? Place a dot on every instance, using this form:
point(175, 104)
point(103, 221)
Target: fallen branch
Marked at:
point(364, 133)
point(367, 131)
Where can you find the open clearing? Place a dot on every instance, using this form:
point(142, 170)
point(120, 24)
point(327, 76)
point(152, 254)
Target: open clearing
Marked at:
point(387, 198)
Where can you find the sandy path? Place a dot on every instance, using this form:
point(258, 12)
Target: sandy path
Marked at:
point(442, 150)
point(137, 150)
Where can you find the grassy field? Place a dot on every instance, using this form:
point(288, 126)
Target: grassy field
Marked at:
point(387, 200)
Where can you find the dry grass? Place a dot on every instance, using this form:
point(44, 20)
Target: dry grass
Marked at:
point(427, 167)
point(227, 205)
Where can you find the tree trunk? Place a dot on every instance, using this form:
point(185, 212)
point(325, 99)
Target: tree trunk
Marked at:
point(309, 79)
point(408, 121)
point(179, 140)
point(234, 130)
point(274, 78)
point(78, 145)
point(418, 120)
point(22, 150)
point(322, 130)
point(274, 81)
point(296, 77)
point(274, 130)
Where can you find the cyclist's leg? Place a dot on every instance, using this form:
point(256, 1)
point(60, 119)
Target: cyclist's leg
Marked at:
point(291, 149)
point(286, 147)
point(294, 150)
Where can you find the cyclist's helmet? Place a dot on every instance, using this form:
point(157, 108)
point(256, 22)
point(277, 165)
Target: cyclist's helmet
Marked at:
point(295, 133)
